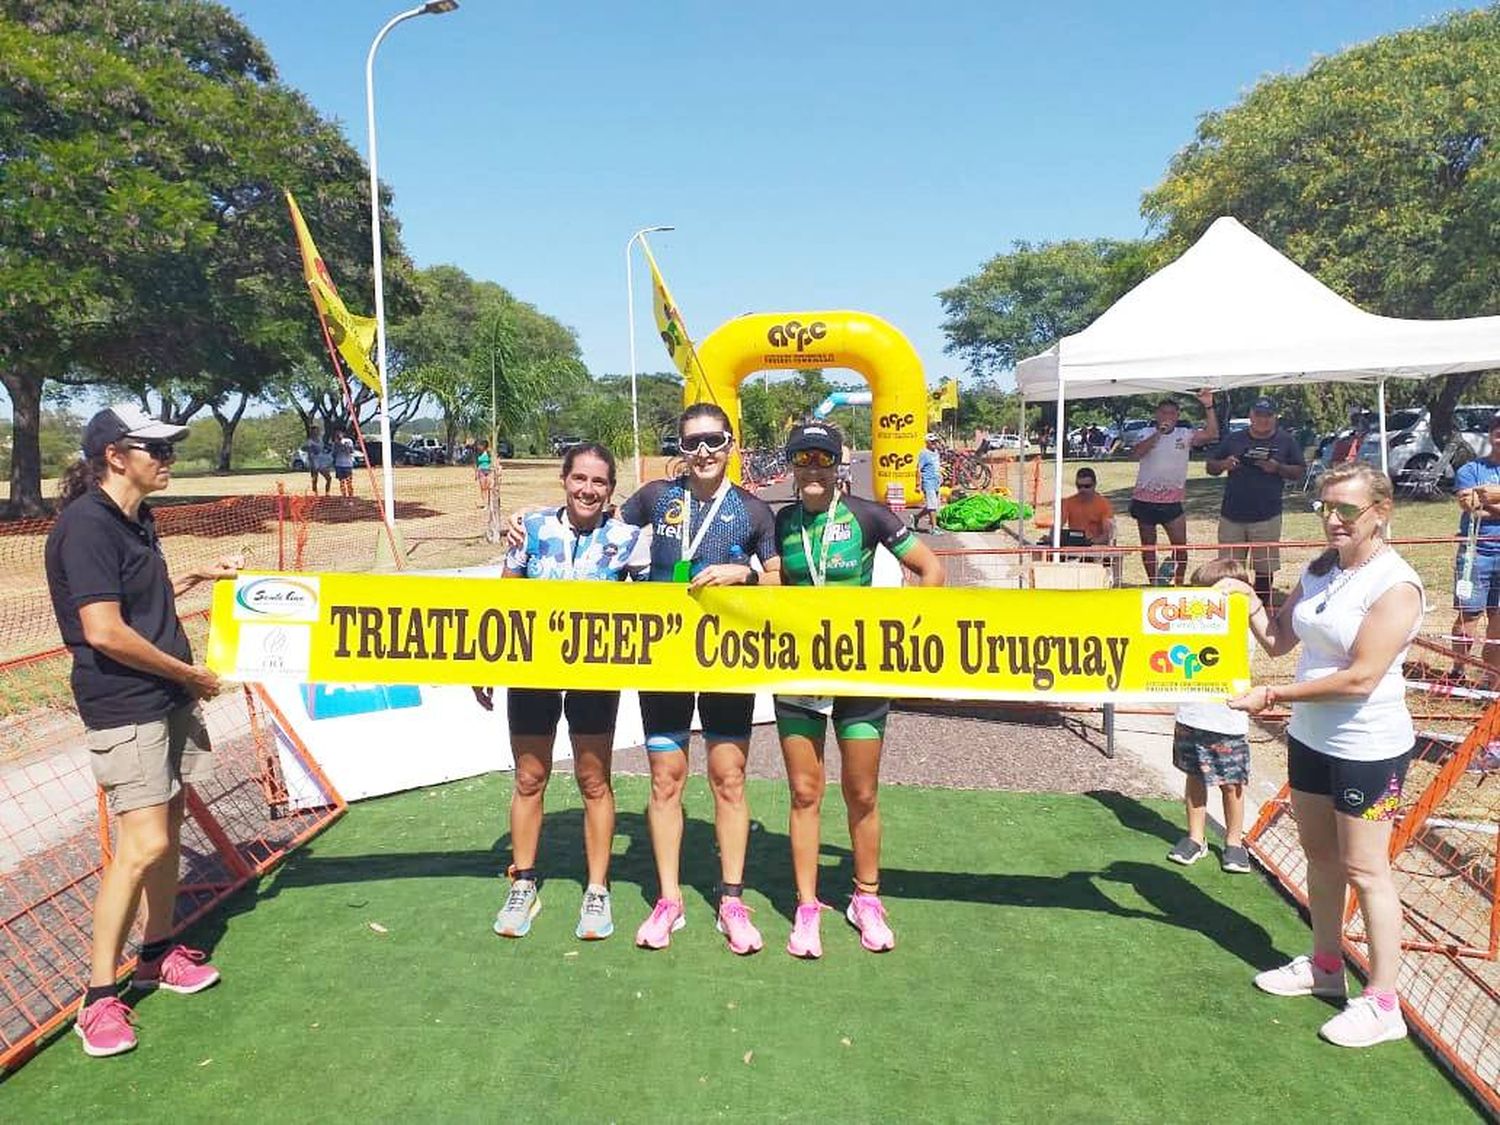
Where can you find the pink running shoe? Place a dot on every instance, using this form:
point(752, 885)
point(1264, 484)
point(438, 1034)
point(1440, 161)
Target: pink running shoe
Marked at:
point(666, 919)
point(104, 1027)
point(807, 938)
point(867, 915)
point(180, 969)
point(734, 923)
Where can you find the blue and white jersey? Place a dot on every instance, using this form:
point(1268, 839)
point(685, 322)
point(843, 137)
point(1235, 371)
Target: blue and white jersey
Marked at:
point(743, 526)
point(554, 549)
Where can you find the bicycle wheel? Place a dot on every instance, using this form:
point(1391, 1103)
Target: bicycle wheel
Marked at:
point(973, 475)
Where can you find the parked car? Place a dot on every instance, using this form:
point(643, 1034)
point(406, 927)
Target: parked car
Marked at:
point(561, 445)
point(401, 453)
point(670, 445)
point(1411, 445)
point(437, 452)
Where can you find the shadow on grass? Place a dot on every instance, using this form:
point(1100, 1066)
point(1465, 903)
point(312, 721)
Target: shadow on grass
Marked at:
point(1173, 900)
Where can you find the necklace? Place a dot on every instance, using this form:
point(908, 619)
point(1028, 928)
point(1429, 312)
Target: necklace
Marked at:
point(1344, 577)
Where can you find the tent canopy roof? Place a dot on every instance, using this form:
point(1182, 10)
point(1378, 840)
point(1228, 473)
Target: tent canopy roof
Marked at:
point(1232, 312)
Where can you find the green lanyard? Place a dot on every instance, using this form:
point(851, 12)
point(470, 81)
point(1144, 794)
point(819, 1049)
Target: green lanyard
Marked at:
point(817, 572)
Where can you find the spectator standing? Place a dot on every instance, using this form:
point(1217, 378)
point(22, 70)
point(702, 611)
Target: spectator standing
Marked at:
point(1161, 483)
point(930, 477)
point(319, 460)
point(1259, 461)
point(1476, 581)
point(343, 463)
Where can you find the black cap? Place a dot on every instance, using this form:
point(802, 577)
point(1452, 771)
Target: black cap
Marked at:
point(1263, 406)
point(815, 435)
point(124, 420)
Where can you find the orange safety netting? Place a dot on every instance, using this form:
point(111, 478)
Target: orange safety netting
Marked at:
point(55, 836)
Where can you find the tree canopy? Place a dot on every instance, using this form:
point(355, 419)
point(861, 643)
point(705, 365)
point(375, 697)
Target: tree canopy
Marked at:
point(144, 243)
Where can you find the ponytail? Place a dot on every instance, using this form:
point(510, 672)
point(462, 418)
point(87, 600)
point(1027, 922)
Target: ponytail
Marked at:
point(78, 478)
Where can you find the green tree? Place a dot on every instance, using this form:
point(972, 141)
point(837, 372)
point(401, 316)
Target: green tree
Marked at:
point(1023, 301)
point(143, 239)
point(1375, 170)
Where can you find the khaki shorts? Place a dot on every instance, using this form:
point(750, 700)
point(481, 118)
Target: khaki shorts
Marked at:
point(143, 764)
point(1263, 560)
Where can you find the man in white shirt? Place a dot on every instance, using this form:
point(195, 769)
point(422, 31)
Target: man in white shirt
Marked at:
point(1161, 484)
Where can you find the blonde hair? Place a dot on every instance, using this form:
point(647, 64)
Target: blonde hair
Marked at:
point(1377, 485)
point(1216, 570)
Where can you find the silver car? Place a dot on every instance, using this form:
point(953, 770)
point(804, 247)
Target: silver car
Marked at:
point(1412, 449)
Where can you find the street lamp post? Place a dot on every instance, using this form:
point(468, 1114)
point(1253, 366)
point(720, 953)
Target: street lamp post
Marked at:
point(431, 8)
point(635, 416)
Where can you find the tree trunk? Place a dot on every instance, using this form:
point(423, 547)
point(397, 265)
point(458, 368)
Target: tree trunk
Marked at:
point(25, 444)
point(1440, 421)
point(227, 425)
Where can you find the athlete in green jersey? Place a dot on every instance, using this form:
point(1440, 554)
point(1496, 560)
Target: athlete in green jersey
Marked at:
point(830, 540)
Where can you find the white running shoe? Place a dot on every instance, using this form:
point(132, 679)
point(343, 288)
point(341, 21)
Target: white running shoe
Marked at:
point(1302, 978)
point(1364, 1023)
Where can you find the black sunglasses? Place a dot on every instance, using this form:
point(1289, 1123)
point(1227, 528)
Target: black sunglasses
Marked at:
point(156, 450)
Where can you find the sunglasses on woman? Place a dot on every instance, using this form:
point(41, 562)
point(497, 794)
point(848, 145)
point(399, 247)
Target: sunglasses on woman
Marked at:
point(1347, 513)
point(715, 441)
point(816, 458)
point(156, 450)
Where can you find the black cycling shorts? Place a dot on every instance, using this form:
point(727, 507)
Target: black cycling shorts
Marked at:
point(854, 716)
point(668, 717)
point(1150, 513)
point(1368, 790)
point(535, 711)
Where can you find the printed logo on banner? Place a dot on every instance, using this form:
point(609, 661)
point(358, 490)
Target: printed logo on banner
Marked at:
point(273, 650)
point(1182, 612)
point(276, 599)
point(1181, 658)
point(337, 701)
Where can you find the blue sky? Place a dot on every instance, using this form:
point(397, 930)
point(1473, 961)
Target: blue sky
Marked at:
point(826, 155)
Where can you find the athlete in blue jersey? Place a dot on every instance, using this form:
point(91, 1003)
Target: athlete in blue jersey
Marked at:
point(704, 532)
point(576, 542)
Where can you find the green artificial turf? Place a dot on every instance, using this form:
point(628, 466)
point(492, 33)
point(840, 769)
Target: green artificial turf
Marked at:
point(1050, 966)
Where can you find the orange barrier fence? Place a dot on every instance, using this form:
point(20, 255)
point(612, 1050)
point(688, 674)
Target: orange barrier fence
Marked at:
point(55, 840)
point(1445, 853)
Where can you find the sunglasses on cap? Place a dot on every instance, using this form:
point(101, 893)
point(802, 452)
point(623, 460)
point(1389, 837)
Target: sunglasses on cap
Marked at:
point(715, 441)
point(815, 458)
point(156, 450)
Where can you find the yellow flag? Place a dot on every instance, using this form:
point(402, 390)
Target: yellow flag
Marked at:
point(354, 336)
point(674, 333)
point(944, 398)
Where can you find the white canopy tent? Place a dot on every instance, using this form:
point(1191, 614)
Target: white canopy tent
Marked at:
point(1232, 312)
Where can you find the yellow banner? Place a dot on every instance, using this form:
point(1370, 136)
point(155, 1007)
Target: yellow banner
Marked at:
point(1065, 646)
point(354, 336)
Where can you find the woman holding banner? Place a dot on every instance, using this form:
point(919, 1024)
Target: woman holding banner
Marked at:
point(576, 542)
point(827, 539)
point(1354, 612)
point(705, 531)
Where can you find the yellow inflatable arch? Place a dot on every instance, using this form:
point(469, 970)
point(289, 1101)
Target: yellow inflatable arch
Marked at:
point(864, 343)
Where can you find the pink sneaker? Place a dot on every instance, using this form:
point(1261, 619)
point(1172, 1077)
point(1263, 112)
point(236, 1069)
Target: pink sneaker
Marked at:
point(180, 969)
point(807, 938)
point(867, 915)
point(666, 919)
point(104, 1027)
point(734, 923)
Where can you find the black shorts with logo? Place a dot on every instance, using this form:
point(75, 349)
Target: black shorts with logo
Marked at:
point(535, 711)
point(1368, 790)
point(668, 717)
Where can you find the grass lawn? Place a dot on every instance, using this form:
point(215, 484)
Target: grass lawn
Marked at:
point(1051, 966)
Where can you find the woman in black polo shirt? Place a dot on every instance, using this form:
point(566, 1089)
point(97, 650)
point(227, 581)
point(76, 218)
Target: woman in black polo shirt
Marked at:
point(137, 692)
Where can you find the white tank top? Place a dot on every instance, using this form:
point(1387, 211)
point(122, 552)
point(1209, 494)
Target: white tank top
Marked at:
point(1326, 620)
point(1162, 475)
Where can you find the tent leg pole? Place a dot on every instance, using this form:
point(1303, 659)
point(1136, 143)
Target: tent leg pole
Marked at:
point(1021, 483)
point(1385, 454)
point(1061, 428)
